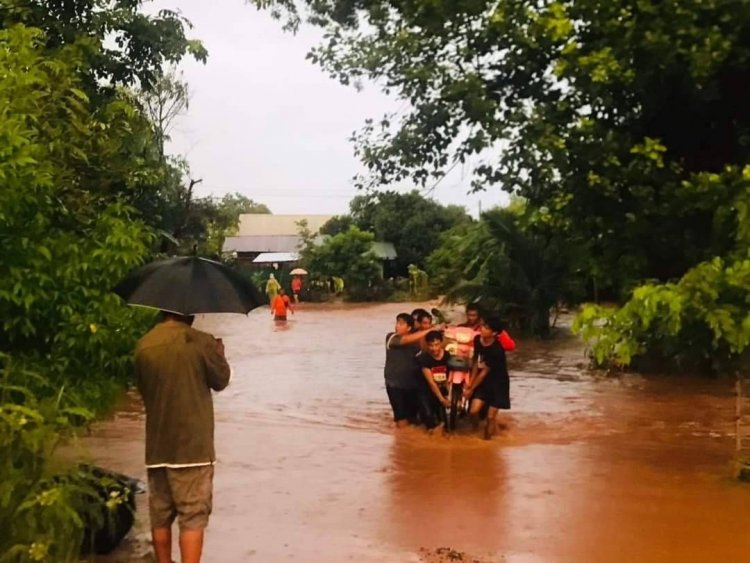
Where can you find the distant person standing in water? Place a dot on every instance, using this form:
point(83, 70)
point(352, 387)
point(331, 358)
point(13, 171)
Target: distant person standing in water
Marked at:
point(474, 321)
point(272, 289)
point(280, 305)
point(296, 288)
point(473, 317)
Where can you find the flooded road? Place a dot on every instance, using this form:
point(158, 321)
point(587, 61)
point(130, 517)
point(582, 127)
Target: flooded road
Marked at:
point(310, 468)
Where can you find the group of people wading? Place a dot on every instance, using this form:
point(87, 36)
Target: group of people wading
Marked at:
point(418, 370)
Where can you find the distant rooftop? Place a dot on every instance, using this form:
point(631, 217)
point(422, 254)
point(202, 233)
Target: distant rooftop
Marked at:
point(265, 224)
point(272, 243)
point(271, 257)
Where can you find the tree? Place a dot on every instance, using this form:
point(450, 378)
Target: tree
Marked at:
point(120, 45)
point(609, 118)
point(73, 163)
point(163, 103)
point(337, 224)
point(700, 322)
point(408, 220)
point(347, 255)
point(602, 111)
point(223, 219)
point(67, 231)
point(510, 267)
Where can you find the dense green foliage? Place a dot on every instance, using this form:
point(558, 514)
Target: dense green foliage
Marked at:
point(347, 255)
point(78, 159)
point(700, 322)
point(69, 233)
point(621, 124)
point(509, 266)
point(410, 221)
point(41, 503)
point(337, 224)
point(120, 45)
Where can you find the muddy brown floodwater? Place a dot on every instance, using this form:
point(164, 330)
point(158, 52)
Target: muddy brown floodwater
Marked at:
point(310, 468)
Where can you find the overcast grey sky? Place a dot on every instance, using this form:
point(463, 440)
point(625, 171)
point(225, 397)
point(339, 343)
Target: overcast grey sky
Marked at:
point(265, 122)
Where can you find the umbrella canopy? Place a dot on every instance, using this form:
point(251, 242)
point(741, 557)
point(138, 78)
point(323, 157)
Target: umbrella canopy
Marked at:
point(188, 286)
point(298, 272)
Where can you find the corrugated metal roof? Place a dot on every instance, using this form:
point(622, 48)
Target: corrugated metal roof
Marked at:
point(291, 244)
point(271, 257)
point(262, 244)
point(265, 224)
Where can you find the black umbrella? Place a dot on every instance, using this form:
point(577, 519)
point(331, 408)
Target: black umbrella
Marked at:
point(188, 286)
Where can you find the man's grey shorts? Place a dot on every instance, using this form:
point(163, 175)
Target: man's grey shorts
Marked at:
point(185, 493)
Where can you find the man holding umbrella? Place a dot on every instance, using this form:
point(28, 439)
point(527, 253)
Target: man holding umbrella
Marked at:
point(297, 282)
point(176, 368)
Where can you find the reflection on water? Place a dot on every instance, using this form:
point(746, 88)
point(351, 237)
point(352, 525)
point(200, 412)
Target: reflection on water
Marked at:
point(310, 468)
point(447, 490)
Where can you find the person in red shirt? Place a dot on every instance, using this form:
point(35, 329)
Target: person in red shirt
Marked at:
point(296, 288)
point(474, 320)
point(473, 317)
point(280, 305)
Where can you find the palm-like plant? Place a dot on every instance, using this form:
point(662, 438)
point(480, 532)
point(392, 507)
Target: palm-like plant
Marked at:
point(520, 273)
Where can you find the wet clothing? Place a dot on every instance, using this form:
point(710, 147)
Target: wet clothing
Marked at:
point(506, 341)
point(176, 367)
point(401, 377)
point(296, 285)
point(280, 304)
point(185, 494)
point(504, 338)
point(272, 289)
point(431, 410)
point(404, 403)
point(495, 389)
point(439, 367)
point(401, 369)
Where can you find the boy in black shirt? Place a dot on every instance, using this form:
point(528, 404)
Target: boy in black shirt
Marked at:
point(434, 388)
point(490, 382)
point(401, 371)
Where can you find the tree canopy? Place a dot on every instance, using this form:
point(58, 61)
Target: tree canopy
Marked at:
point(410, 221)
point(120, 44)
point(624, 125)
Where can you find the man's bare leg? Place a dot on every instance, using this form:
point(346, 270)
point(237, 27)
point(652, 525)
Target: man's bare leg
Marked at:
point(491, 425)
point(474, 410)
point(162, 538)
point(191, 545)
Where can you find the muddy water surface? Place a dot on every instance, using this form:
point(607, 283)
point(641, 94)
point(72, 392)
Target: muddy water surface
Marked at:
point(586, 468)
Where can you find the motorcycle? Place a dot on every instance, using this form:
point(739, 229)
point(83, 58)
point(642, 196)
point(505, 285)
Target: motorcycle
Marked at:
point(460, 345)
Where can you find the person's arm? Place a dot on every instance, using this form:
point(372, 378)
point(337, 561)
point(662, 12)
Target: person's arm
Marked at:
point(476, 380)
point(217, 367)
point(427, 372)
point(475, 372)
point(411, 338)
point(506, 341)
point(289, 304)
